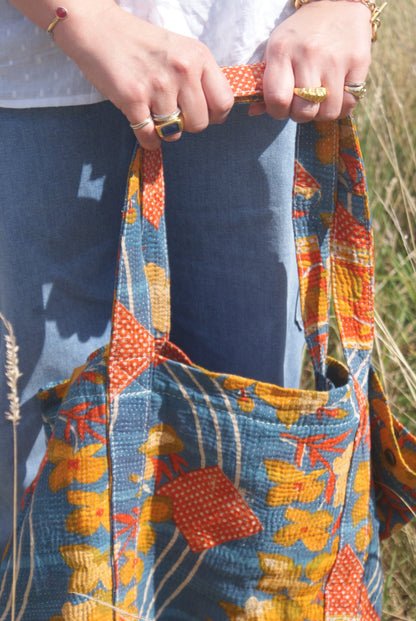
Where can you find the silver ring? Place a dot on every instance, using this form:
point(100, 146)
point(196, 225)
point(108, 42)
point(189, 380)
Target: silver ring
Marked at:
point(166, 118)
point(357, 89)
point(137, 126)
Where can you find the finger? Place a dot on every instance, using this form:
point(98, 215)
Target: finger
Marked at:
point(218, 93)
point(330, 108)
point(349, 100)
point(302, 110)
point(146, 135)
point(194, 106)
point(165, 102)
point(257, 109)
point(278, 84)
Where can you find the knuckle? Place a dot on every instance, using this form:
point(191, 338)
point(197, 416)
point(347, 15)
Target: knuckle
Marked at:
point(161, 83)
point(277, 47)
point(312, 48)
point(196, 126)
point(304, 116)
point(184, 64)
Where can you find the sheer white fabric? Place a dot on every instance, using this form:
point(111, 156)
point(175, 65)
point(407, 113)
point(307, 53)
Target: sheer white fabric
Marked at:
point(35, 73)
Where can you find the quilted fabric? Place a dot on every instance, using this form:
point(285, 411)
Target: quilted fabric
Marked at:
point(172, 492)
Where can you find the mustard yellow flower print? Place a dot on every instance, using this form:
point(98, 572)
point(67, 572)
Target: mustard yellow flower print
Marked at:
point(320, 566)
point(290, 405)
point(90, 567)
point(156, 509)
point(159, 289)
point(292, 483)
point(279, 608)
point(72, 465)
point(132, 568)
point(341, 468)
point(280, 572)
point(364, 536)
point(162, 440)
point(310, 528)
point(94, 512)
point(362, 488)
point(91, 610)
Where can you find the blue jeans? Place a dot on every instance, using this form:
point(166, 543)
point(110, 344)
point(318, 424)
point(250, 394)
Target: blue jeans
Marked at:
point(234, 278)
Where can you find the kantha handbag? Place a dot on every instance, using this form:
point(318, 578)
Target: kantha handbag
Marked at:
point(175, 493)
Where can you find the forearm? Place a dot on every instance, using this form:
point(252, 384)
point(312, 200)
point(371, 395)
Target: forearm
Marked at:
point(42, 12)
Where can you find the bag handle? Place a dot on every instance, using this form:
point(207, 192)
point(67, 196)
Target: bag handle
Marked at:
point(332, 233)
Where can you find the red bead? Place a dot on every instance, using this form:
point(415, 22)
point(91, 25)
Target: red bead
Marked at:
point(61, 13)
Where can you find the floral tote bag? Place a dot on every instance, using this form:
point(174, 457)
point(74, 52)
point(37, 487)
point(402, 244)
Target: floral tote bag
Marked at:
point(171, 492)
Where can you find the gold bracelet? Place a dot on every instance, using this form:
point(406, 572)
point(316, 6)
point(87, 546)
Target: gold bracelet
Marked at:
point(60, 14)
point(374, 9)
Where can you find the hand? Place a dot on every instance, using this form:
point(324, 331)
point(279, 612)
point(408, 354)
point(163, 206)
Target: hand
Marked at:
point(325, 42)
point(145, 69)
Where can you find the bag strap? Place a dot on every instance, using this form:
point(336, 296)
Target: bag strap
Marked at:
point(334, 243)
point(332, 233)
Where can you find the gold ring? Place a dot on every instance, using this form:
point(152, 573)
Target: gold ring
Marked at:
point(137, 126)
point(315, 94)
point(168, 124)
point(358, 89)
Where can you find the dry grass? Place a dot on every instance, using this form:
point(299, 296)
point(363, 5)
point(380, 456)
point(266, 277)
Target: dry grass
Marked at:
point(388, 135)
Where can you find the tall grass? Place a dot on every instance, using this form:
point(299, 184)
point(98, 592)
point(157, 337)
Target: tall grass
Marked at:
point(387, 126)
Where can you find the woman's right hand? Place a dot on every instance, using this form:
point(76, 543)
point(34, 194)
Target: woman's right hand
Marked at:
point(144, 69)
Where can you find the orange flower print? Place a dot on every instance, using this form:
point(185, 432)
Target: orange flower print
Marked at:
point(90, 567)
point(310, 528)
point(293, 484)
point(70, 465)
point(94, 512)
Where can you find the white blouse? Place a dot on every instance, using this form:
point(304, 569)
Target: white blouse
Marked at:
point(34, 72)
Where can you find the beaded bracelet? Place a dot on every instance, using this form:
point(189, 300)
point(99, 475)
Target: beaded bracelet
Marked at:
point(375, 13)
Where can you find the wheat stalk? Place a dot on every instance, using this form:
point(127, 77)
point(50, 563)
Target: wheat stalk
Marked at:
point(13, 415)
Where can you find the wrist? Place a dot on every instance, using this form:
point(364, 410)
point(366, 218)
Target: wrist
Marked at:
point(375, 12)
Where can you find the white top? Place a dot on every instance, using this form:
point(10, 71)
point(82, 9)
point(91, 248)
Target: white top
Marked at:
point(34, 72)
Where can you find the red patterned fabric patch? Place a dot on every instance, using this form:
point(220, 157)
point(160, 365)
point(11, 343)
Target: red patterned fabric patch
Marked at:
point(343, 589)
point(208, 509)
point(245, 81)
point(132, 350)
point(153, 196)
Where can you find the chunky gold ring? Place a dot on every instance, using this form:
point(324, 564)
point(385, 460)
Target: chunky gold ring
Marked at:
point(358, 89)
point(315, 94)
point(137, 126)
point(168, 124)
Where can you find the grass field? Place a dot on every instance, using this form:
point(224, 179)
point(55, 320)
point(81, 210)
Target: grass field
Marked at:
point(387, 126)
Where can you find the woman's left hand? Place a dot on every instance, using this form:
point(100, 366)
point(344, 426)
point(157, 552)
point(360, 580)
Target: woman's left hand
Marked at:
point(324, 43)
